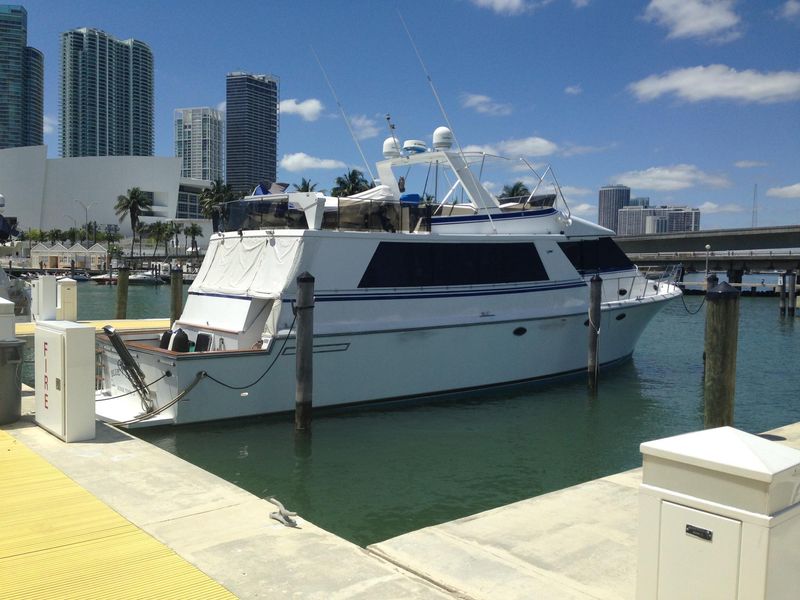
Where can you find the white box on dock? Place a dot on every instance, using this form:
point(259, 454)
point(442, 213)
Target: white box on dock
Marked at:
point(719, 517)
point(64, 379)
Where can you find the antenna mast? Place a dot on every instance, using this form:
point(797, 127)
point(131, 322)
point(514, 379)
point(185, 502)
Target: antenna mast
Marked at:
point(441, 108)
point(344, 115)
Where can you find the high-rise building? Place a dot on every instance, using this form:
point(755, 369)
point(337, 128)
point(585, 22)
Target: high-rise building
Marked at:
point(106, 95)
point(251, 130)
point(198, 141)
point(611, 199)
point(640, 220)
point(21, 81)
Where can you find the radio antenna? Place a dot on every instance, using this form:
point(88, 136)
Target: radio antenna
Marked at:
point(443, 111)
point(344, 115)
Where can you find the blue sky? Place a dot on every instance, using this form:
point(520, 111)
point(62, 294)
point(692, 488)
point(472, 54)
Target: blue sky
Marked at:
point(689, 102)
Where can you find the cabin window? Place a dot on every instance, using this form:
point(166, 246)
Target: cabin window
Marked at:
point(398, 264)
point(592, 256)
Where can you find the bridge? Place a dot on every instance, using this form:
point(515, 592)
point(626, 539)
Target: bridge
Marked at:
point(736, 251)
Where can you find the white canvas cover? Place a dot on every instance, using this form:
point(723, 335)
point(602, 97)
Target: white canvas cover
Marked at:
point(253, 266)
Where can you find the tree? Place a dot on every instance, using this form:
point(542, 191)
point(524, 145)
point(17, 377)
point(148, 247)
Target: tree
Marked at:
point(516, 190)
point(54, 235)
point(194, 231)
point(157, 231)
point(306, 186)
point(174, 231)
point(72, 234)
point(212, 199)
point(351, 183)
point(133, 205)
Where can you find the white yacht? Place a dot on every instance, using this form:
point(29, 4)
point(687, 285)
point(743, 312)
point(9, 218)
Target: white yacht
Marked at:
point(443, 290)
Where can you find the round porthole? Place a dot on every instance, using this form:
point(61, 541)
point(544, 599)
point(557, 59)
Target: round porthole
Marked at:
point(620, 316)
point(586, 323)
point(520, 331)
point(623, 291)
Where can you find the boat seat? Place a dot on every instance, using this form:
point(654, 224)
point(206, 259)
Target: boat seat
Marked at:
point(202, 343)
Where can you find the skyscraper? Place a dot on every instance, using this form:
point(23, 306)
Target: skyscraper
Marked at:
point(21, 81)
point(198, 141)
point(106, 95)
point(611, 199)
point(251, 130)
point(640, 220)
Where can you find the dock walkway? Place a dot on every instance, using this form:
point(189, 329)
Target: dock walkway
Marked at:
point(577, 543)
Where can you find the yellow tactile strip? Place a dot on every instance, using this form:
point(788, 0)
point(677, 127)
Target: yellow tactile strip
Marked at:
point(159, 325)
point(59, 541)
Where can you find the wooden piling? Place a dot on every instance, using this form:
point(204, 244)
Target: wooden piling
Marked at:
point(304, 353)
point(122, 292)
point(595, 299)
point(721, 337)
point(782, 296)
point(176, 293)
point(791, 293)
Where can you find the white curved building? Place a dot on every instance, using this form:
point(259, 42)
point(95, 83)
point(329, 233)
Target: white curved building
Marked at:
point(48, 193)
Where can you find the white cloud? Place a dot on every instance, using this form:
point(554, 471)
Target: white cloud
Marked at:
point(530, 146)
point(569, 190)
point(583, 210)
point(309, 110)
point(222, 106)
point(511, 7)
point(719, 82)
point(788, 191)
point(749, 164)
point(573, 90)
point(791, 9)
point(713, 207)
point(300, 161)
point(574, 149)
point(713, 20)
point(49, 124)
point(581, 3)
point(364, 127)
point(674, 177)
point(485, 105)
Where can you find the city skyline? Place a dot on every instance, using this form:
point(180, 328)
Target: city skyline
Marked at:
point(687, 110)
point(198, 141)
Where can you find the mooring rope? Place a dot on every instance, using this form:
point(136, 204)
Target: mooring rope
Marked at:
point(698, 308)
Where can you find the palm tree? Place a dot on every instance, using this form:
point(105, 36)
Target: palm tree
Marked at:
point(174, 231)
point(136, 203)
point(157, 231)
point(194, 231)
point(305, 186)
point(515, 190)
point(141, 229)
point(351, 183)
point(54, 235)
point(213, 199)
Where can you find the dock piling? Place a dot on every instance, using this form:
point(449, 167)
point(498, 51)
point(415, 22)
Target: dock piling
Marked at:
point(595, 299)
point(782, 295)
point(176, 289)
point(791, 293)
point(721, 339)
point(304, 352)
point(122, 292)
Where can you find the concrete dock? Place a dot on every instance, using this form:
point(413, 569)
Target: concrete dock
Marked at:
point(578, 543)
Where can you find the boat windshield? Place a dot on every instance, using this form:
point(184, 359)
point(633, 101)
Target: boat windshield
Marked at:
point(264, 213)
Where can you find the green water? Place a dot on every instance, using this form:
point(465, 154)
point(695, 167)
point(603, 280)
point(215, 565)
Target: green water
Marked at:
point(373, 473)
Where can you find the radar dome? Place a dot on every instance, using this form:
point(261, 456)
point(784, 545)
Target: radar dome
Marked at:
point(442, 138)
point(390, 148)
point(414, 146)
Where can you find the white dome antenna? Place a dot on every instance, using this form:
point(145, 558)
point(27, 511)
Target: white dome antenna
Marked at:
point(390, 148)
point(442, 138)
point(414, 146)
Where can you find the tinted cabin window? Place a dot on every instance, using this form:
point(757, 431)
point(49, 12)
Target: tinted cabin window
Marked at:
point(397, 264)
point(590, 256)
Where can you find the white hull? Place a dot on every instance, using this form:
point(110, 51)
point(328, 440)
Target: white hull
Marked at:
point(378, 366)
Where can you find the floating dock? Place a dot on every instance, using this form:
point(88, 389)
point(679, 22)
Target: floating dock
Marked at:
point(577, 543)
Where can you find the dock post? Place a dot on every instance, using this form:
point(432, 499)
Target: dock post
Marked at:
point(176, 289)
point(595, 299)
point(122, 292)
point(304, 352)
point(791, 293)
point(721, 337)
point(783, 294)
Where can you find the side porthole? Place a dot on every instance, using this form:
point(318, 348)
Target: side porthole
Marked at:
point(620, 316)
point(520, 331)
point(623, 291)
point(586, 323)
